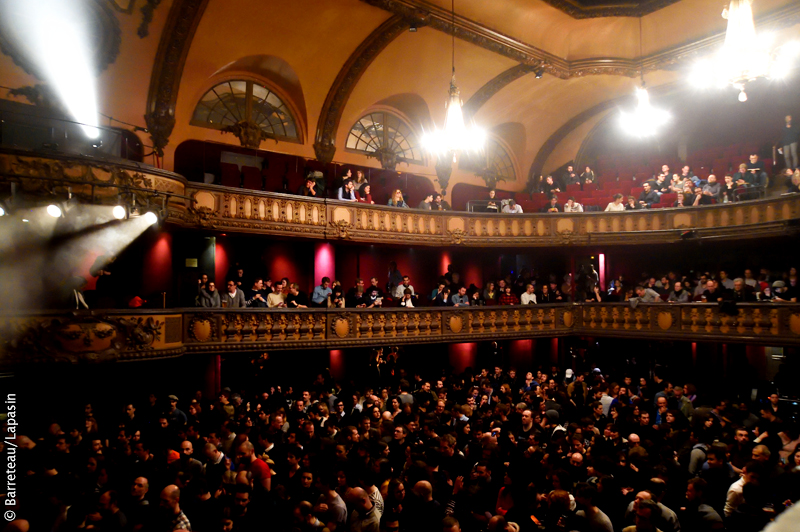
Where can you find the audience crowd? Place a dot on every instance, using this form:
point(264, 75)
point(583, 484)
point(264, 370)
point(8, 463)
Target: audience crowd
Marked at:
point(556, 449)
point(527, 288)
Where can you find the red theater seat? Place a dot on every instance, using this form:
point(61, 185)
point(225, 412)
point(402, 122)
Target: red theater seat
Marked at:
point(231, 177)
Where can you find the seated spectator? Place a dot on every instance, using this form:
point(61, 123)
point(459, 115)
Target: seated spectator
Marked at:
point(700, 198)
point(277, 299)
point(397, 200)
point(439, 204)
point(681, 201)
point(356, 297)
point(254, 297)
point(493, 205)
point(794, 183)
point(712, 187)
point(512, 208)
point(296, 298)
point(461, 299)
point(233, 298)
point(401, 288)
point(319, 297)
point(572, 206)
point(364, 194)
point(632, 204)
point(309, 189)
point(336, 299)
point(443, 298)
point(374, 294)
point(688, 175)
point(408, 299)
point(727, 192)
point(207, 296)
point(587, 177)
point(490, 294)
point(648, 197)
point(616, 205)
point(743, 177)
point(741, 292)
point(425, 204)
point(758, 176)
point(782, 293)
point(688, 194)
point(440, 286)
point(475, 300)
point(647, 295)
point(347, 191)
point(529, 297)
point(360, 179)
point(660, 185)
point(570, 176)
point(553, 206)
point(679, 295)
point(712, 293)
point(549, 186)
point(508, 297)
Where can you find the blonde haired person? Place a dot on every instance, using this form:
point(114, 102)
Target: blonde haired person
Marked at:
point(397, 200)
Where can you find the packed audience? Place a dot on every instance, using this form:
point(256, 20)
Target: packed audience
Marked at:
point(526, 288)
point(558, 449)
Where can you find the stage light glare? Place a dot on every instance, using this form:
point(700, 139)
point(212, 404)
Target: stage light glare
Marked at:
point(118, 212)
point(151, 218)
point(54, 210)
point(54, 34)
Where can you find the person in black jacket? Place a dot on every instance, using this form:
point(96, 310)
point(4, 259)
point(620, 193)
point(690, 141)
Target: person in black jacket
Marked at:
point(648, 197)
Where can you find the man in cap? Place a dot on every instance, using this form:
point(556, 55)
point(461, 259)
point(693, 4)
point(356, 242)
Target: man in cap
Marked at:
point(175, 415)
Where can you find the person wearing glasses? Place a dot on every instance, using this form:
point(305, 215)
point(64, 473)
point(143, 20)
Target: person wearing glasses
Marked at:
point(233, 298)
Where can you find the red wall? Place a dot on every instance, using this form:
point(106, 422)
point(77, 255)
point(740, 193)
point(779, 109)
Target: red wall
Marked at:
point(463, 355)
point(158, 265)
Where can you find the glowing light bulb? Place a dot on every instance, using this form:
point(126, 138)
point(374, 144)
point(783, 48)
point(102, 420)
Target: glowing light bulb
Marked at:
point(118, 212)
point(54, 210)
point(151, 218)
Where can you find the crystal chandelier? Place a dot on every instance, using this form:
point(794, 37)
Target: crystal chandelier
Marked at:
point(744, 56)
point(455, 137)
point(645, 120)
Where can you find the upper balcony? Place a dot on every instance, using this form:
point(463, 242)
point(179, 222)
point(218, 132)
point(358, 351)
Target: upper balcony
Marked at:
point(213, 207)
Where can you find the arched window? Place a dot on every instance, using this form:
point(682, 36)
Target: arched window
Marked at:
point(227, 104)
point(379, 129)
point(494, 158)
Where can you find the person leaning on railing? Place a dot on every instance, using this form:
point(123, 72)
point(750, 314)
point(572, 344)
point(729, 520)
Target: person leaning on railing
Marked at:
point(397, 200)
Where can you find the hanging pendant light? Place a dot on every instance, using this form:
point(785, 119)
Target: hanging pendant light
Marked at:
point(645, 120)
point(455, 137)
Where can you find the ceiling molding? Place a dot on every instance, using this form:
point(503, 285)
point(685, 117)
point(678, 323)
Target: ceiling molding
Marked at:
point(493, 86)
point(173, 48)
point(348, 77)
point(578, 11)
point(524, 53)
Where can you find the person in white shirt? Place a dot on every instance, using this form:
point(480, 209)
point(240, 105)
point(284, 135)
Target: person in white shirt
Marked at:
point(528, 298)
point(616, 205)
point(407, 300)
point(572, 206)
point(512, 208)
point(400, 289)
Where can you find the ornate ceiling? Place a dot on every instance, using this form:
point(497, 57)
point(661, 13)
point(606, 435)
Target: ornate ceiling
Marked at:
point(337, 59)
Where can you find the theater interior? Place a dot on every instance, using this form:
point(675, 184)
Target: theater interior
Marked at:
point(241, 228)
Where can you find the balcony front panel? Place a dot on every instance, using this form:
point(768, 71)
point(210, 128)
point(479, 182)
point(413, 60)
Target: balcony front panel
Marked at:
point(97, 336)
point(232, 209)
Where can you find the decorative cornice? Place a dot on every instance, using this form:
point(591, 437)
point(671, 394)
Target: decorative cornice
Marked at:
point(524, 53)
point(173, 48)
point(347, 79)
point(577, 11)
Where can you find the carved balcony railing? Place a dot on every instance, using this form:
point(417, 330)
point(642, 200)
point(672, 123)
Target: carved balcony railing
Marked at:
point(92, 180)
point(242, 210)
point(124, 335)
point(232, 209)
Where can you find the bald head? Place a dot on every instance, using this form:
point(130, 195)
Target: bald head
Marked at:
point(424, 490)
point(170, 497)
point(359, 499)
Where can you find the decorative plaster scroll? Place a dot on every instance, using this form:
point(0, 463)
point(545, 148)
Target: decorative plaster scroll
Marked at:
point(176, 39)
point(347, 79)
